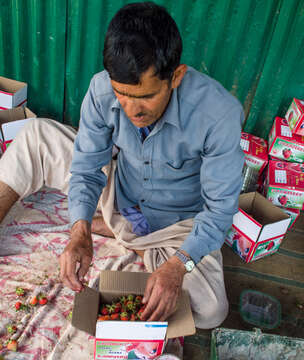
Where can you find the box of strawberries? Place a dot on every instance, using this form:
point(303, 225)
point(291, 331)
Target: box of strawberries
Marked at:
point(112, 314)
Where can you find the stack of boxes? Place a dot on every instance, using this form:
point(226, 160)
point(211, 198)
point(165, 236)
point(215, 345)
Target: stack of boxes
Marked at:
point(13, 101)
point(260, 225)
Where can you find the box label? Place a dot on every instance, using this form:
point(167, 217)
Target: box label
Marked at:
point(285, 197)
point(295, 117)
point(124, 349)
point(239, 243)
point(267, 248)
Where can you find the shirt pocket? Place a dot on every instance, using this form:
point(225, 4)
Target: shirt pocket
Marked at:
point(180, 169)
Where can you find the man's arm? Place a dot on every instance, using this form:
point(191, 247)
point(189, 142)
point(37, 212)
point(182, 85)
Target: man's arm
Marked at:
point(92, 150)
point(222, 163)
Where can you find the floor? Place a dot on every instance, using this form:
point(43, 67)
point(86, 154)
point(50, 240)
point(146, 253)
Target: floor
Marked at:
point(279, 275)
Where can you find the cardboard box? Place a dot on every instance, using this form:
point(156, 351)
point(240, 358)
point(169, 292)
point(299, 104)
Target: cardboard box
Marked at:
point(283, 144)
point(295, 117)
point(12, 93)
point(258, 227)
point(285, 184)
point(293, 214)
point(255, 149)
point(11, 121)
point(115, 339)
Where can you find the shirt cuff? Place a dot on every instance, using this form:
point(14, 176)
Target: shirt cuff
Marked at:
point(81, 212)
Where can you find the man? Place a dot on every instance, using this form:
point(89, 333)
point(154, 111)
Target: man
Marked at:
point(171, 193)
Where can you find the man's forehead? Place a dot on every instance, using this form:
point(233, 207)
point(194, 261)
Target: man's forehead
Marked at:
point(134, 93)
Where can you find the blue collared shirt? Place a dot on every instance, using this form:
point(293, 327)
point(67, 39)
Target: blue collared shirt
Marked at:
point(189, 166)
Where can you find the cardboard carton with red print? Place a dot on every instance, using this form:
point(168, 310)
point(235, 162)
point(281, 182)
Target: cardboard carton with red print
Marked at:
point(285, 184)
point(255, 150)
point(258, 227)
point(283, 144)
point(295, 117)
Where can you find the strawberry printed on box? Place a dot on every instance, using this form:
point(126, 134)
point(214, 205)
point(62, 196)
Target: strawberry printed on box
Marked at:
point(258, 227)
point(285, 184)
point(295, 117)
point(283, 144)
point(255, 150)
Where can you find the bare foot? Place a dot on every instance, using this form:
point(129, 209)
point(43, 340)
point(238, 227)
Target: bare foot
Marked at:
point(99, 227)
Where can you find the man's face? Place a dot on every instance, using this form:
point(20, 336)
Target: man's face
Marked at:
point(145, 102)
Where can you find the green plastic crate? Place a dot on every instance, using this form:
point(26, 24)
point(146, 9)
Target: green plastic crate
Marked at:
point(229, 344)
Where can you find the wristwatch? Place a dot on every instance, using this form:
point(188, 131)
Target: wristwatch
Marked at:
point(186, 260)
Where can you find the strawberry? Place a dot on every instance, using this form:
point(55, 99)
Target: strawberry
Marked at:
point(111, 308)
point(287, 153)
point(20, 291)
point(115, 316)
point(138, 299)
point(34, 301)
point(140, 311)
point(117, 308)
point(104, 310)
point(130, 297)
point(12, 345)
point(124, 316)
point(122, 300)
point(42, 299)
point(18, 305)
point(133, 317)
point(104, 318)
point(283, 200)
point(130, 305)
point(11, 329)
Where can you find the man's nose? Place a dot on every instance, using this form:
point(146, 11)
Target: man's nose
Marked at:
point(132, 106)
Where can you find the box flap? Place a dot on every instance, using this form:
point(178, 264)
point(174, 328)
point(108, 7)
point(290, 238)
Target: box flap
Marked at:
point(85, 311)
point(12, 115)
point(181, 323)
point(274, 230)
point(10, 85)
point(123, 282)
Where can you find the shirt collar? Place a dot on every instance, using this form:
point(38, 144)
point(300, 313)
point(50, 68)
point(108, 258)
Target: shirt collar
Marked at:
point(171, 115)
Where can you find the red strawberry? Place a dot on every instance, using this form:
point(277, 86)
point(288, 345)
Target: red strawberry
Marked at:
point(104, 318)
point(34, 301)
point(115, 316)
point(104, 310)
point(20, 291)
point(11, 329)
point(130, 305)
point(287, 153)
point(133, 317)
point(117, 308)
point(138, 299)
point(283, 200)
point(140, 311)
point(42, 299)
point(12, 345)
point(124, 316)
point(270, 245)
point(18, 305)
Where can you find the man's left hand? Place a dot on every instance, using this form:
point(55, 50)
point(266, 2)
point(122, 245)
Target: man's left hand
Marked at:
point(162, 290)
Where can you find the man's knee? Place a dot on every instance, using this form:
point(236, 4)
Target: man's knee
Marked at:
point(212, 314)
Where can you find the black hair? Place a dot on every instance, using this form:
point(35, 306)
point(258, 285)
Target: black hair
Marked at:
point(139, 36)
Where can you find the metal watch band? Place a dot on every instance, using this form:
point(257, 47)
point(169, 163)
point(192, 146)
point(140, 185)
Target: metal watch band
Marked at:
point(186, 260)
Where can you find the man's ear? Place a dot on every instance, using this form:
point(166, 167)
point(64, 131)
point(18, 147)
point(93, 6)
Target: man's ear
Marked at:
point(178, 75)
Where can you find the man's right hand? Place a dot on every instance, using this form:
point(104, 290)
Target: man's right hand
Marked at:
point(77, 256)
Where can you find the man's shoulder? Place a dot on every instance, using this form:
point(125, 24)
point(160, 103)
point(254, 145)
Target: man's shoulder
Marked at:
point(102, 85)
point(206, 94)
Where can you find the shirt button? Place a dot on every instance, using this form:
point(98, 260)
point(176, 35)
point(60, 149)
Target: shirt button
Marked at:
point(142, 200)
point(147, 162)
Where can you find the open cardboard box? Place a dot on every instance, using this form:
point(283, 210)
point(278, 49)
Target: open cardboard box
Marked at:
point(13, 93)
point(11, 121)
point(258, 227)
point(115, 339)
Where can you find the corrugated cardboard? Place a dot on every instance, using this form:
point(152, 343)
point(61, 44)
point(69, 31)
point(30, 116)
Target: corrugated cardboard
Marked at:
point(12, 93)
point(116, 283)
point(12, 117)
point(258, 227)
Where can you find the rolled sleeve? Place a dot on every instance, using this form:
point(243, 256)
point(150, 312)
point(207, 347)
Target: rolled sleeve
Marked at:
point(221, 179)
point(92, 150)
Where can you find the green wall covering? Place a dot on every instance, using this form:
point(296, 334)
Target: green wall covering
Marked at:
point(255, 48)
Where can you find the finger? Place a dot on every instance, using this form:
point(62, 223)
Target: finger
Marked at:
point(84, 267)
point(71, 274)
point(158, 312)
point(152, 304)
point(63, 275)
point(148, 290)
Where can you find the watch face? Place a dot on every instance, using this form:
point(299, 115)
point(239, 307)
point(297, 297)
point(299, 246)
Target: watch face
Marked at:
point(189, 265)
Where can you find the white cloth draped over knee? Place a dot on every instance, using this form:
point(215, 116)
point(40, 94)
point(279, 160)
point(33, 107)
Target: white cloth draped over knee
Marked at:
point(41, 155)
